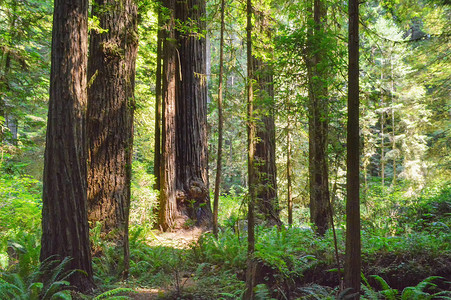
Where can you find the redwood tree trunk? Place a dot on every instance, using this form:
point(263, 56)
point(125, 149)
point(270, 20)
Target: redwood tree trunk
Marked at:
point(191, 114)
point(111, 73)
point(65, 230)
point(265, 148)
point(168, 206)
point(318, 122)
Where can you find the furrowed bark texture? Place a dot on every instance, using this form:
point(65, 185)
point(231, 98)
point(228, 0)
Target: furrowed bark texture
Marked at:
point(318, 121)
point(168, 206)
point(111, 73)
point(191, 114)
point(65, 230)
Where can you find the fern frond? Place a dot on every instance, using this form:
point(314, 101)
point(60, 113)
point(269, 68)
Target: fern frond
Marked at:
point(113, 292)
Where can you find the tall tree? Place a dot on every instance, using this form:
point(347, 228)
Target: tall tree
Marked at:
point(168, 207)
point(251, 134)
point(111, 73)
point(184, 190)
point(158, 98)
point(65, 230)
point(265, 148)
point(191, 113)
point(353, 248)
point(220, 123)
point(317, 71)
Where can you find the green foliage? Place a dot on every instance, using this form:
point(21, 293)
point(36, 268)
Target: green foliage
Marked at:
point(144, 199)
point(420, 291)
point(48, 281)
point(113, 294)
point(21, 203)
point(20, 222)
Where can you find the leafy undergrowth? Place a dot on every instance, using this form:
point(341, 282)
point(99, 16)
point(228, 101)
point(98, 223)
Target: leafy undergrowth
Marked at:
point(292, 263)
point(411, 262)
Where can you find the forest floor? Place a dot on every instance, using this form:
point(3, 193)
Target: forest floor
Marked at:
point(178, 239)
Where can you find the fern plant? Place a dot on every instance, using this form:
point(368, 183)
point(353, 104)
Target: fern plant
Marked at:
point(418, 292)
point(113, 294)
point(49, 281)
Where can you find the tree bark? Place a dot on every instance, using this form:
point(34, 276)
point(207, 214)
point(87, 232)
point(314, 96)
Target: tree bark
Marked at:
point(168, 206)
point(251, 134)
point(65, 230)
point(318, 121)
point(353, 248)
point(111, 73)
point(191, 114)
point(220, 124)
point(265, 147)
point(382, 124)
point(289, 174)
point(158, 98)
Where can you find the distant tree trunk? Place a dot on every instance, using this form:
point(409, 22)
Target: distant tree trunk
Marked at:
point(353, 248)
point(318, 121)
point(9, 121)
point(168, 206)
point(392, 91)
point(251, 134)
point(289, 175)
point(65, 230)
point(111, 73)
point(265, 148)
point(382, 125)
point(191, 115)
point(220, 124)
point(158, 98)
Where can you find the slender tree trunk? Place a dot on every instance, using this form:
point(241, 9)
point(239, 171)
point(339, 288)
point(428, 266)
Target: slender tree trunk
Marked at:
point(318, 121)
point(168, 206)
point(353, 248)
point(220, 124)
point(382, 125)
point(392, 91)
point(65, 230)
point(9, 121)
point(289, 171)
point(251, 133)
point(111, 73)
point(193, 197)
point(158, 97)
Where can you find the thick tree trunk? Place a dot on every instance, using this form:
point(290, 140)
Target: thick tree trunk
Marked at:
point(353, 248)
point(168, 206)
point(318, 122)
point(65, 230)
point(111, 73)
point(191, 115)
point(220, 124)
